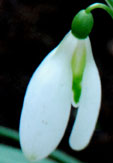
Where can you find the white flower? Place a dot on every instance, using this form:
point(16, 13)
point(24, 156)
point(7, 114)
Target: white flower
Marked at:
point(49, 96)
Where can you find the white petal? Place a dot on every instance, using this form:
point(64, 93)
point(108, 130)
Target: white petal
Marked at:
point(89, 105)
point(47, 102)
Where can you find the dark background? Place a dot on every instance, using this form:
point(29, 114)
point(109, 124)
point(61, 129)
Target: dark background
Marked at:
point(29, 29)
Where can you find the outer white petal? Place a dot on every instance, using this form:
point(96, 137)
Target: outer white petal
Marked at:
point(89, 105)
point(47, 102)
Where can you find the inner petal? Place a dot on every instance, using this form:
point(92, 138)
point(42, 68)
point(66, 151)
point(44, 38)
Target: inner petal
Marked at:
point(89, 104)
point(78, 64)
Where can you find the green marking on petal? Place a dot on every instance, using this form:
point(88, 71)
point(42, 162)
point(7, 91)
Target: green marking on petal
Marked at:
point(78, 65)
point(76, 87)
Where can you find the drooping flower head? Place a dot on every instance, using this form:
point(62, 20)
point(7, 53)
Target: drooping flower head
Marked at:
point(67, 76)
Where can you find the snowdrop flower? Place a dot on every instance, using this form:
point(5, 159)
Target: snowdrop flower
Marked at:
point(67, 76)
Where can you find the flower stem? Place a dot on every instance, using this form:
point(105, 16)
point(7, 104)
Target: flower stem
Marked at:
point(63, 157)
point(101, 6)
point(9, 133)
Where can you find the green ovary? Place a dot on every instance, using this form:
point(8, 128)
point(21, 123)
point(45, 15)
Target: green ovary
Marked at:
point(78, 66)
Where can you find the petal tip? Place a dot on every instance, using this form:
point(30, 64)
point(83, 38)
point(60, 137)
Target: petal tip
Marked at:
point(77, 145)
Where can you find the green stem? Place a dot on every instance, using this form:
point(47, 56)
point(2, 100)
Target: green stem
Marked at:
point(101, 6)
point(9, 133)
point(63, 157)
